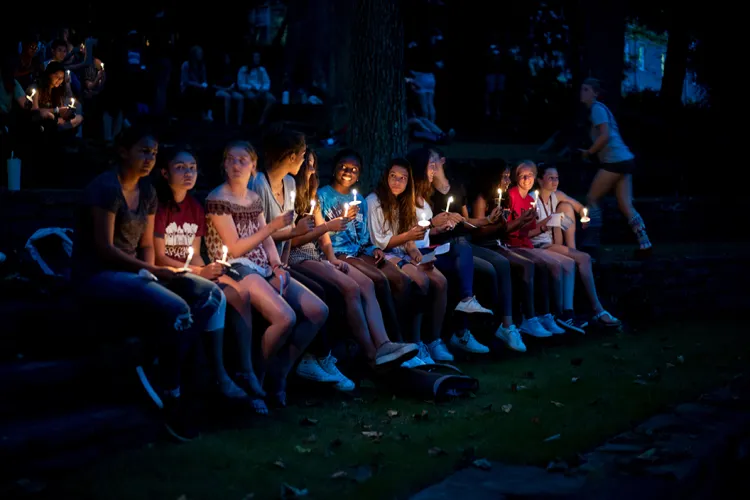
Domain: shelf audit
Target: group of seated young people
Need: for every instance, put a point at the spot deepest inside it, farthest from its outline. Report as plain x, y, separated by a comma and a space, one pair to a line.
279, 246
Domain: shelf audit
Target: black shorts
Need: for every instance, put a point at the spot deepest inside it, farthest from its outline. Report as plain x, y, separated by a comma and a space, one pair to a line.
621, 167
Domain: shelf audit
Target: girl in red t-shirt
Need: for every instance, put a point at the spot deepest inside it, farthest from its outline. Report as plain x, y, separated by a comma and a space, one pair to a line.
179, 226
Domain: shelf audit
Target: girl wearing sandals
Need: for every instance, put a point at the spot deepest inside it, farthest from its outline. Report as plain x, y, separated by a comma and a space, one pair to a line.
616, 164
179, 226
114, 263
235, 218
363, 314
548, 206
392, 220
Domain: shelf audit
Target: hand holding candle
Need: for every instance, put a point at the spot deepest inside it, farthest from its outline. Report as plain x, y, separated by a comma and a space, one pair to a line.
189, 258
225, 254
585, 217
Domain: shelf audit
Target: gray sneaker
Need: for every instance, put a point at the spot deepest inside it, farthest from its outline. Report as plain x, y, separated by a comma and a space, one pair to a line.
394, 353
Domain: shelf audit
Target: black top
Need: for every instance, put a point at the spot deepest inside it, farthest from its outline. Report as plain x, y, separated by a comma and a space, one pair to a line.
439, 201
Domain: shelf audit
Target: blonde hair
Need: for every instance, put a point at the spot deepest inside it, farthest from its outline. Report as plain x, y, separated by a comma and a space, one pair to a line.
528, 164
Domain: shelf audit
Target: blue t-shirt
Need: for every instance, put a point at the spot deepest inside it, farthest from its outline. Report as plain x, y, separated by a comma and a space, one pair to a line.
355, 240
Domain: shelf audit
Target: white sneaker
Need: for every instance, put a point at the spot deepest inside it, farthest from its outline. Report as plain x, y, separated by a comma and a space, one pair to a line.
328, 364
532, 326
309, 368
512, 337
472, 306
424, 354
549, 324
467, 342
412, 363
439, 351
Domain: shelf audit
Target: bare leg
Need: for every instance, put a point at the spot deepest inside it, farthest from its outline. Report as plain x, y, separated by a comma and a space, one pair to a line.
351, 291
568, 277
438, 301
266, 300
569, 235
422, 283
583, 261
372, 308
624, 193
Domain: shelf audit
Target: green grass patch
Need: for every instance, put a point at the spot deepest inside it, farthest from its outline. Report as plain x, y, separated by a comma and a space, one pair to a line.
603, 400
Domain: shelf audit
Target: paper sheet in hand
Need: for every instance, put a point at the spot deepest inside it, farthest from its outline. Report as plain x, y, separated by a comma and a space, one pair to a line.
555, 220
426, 259
444, 248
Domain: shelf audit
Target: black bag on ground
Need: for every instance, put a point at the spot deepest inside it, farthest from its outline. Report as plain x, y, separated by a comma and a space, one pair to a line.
435, 382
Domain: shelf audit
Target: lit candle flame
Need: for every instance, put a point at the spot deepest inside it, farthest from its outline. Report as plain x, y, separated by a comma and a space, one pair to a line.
585, 211
499, 195
225, 251
72, 102
189, 257
102, 66
354, 193
448, 206
424, 222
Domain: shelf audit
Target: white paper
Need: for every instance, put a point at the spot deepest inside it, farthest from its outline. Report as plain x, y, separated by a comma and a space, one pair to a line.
555, 220
426, 259
444, 248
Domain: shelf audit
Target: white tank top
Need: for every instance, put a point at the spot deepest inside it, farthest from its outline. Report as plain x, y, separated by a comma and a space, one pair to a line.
544, 210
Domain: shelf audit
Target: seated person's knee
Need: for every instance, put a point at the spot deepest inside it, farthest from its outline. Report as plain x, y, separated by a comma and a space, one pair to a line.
320, 314
351, 290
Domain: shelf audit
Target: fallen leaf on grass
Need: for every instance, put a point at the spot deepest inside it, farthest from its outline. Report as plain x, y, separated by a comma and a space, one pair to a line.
280, 464
451, 412
482, 463
552, 438
435, 451
312, 438
339, 474
506, 408
289, 491
616, 358
575, 379
517, 387
392, 413
425, 415
576, 361
681, 359
301, 450
372, 434
557, 403
670, 365
308, 422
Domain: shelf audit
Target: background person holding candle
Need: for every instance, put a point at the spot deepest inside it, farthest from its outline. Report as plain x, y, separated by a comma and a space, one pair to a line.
394, 289
52, 99
363, 316
235, 219
616, 164
551, 202
114, 263
179, 226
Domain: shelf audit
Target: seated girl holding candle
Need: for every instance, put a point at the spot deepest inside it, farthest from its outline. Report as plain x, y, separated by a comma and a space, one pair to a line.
114, 263
53, 101
459, 260
362, 310
179, 227
492, 268
235, 219
561, 267
550, 203
395, 291
392, 220
531, 279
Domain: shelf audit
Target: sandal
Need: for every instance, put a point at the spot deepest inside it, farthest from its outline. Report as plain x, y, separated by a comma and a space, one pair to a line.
599, 320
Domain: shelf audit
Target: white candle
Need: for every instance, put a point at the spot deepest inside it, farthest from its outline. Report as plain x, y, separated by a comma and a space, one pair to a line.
189, 258
73, 103
346, 209
354, 193
312, 207
499, 196
293, 194
424, 222
448, 206
354, 201
31, 97
585, 218
225, 253
102, 66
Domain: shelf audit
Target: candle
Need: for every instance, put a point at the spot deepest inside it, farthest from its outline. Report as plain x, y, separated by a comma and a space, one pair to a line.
424, 222
72, 103
346, 209
294, 196
102, 66
354, 193
31, 97
448, 206
585, 219
499, 195
312, 207
189, 258
354, 201
225, 253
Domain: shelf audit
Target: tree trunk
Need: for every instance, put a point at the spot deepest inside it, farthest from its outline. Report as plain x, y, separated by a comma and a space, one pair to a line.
602, 56
675, 65
377, 107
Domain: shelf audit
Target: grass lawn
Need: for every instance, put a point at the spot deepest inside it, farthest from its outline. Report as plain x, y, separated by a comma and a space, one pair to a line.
603, 400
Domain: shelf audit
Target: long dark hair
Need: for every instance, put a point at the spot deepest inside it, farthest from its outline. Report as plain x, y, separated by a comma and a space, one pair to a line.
280, 143
419, 159
163, 191
306, 189
47, 94
397, 210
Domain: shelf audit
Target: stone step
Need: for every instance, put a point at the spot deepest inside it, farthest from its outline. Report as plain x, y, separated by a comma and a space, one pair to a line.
66, 440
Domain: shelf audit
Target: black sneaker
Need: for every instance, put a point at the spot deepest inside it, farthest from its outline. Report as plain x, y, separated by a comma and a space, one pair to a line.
177, 420
570, 322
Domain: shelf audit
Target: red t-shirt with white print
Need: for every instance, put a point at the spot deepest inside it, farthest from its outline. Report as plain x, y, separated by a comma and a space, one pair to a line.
179, 224
520, 237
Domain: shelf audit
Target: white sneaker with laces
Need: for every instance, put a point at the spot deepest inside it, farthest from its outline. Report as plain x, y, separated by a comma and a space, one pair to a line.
512, 337
328, 364
466, 342
532, 326
309, 368
472, 306
424, 354
412, 363
549, 324
439, 351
